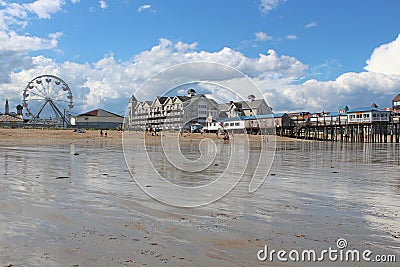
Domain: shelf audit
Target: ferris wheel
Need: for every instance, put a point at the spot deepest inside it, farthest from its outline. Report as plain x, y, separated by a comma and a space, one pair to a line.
47, 100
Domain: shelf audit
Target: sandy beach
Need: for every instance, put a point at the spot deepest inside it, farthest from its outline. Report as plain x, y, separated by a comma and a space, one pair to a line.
67, 136
67, 199
56, 136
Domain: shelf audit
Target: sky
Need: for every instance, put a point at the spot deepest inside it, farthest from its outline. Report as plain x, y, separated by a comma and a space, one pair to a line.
309, 55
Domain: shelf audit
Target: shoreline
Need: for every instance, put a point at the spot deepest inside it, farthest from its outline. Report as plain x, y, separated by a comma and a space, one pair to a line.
26, 136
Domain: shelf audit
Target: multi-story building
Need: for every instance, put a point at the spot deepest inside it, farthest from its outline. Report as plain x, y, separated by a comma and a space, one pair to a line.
233, 113
171, 113
251, 107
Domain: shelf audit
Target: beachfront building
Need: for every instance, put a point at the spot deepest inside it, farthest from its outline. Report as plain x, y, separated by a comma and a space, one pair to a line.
234, 124
251, 107
396, 102
7, 120
173, 113
395, 109
367, 115
98, 119
265, 124
237, 111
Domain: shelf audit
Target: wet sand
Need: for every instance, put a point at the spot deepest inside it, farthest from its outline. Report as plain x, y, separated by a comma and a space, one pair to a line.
68, 136
67, 199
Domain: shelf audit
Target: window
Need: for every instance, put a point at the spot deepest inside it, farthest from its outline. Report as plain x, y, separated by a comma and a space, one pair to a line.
359, 116
236, 124
232, 124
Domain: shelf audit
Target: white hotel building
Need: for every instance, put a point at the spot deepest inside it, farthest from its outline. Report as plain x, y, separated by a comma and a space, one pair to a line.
171, 113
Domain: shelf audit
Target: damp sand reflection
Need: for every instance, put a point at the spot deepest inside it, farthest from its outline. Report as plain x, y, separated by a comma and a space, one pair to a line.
76, 204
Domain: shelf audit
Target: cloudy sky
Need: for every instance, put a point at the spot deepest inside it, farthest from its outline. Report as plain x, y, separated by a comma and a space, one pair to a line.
303, 55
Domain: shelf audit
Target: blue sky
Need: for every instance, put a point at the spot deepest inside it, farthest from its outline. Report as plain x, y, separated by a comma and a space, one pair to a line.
300, 53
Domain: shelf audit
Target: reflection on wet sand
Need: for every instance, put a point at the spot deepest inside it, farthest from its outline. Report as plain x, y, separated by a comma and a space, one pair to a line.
76, 204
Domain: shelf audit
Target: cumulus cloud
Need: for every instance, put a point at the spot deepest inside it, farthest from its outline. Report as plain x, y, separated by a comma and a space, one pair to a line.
384, 59
143, 7
15, 46
353, 89
103, 4
262, 36
16, 14
268, 5
44, 8
109, 82
312, 24
12, 42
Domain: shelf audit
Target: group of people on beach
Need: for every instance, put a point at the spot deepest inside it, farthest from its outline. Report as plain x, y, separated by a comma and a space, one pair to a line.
103, 133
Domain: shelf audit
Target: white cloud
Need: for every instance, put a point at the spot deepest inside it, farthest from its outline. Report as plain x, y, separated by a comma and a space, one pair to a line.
262, 36
103, 4
108, 83
44, 8
353, 89
385, 58
75, 1
312, 24
12, 42
15, 14
291, 37
108, 80
143, 7
268, 5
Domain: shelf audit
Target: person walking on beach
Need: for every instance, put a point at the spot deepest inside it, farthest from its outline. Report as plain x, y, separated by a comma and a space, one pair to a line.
101, 132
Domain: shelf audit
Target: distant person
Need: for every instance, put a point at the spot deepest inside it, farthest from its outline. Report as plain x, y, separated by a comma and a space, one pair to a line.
105, 133
101, 132
226, 136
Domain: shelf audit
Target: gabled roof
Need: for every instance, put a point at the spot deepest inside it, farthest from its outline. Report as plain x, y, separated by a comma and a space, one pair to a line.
235, 104
160, 99
8, 118
170, 99
100, 113
255, 103
182, 98
396, 98
245, 105
133, 98
342, 107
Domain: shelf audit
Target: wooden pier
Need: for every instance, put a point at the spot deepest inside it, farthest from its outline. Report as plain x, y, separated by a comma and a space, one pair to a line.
382, 132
